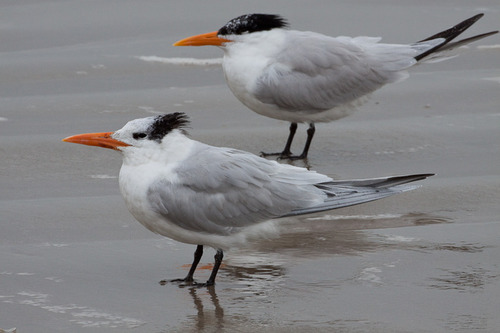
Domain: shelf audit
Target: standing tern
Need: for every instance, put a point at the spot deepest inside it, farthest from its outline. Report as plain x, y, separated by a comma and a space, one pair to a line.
220, 197
307, 77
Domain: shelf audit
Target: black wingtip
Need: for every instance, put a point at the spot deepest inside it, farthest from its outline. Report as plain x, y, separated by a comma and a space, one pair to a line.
400, 180
456, 30
450, 34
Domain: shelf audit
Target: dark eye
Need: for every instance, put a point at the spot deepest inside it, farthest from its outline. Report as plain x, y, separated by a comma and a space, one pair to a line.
138, 136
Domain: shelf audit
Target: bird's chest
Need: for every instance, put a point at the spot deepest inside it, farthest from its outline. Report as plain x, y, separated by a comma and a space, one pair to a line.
135, 184
242, 72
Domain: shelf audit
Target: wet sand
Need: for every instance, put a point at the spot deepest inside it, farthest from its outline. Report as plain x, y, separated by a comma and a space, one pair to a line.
72, 259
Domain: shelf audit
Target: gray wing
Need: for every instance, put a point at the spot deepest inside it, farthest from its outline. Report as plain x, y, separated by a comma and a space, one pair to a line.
221, 190
345, 193
316, 72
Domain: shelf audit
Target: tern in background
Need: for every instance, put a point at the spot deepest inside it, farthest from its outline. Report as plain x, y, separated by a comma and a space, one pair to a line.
219, 197
307, 77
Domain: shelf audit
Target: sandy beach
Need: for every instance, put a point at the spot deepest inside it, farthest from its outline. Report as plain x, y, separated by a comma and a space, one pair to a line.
72, 258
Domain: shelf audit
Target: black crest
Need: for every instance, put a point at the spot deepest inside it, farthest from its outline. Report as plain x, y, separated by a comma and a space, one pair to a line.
252, 23
166, 123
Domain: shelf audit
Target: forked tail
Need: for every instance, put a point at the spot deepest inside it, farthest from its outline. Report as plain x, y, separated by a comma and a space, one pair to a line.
448, 35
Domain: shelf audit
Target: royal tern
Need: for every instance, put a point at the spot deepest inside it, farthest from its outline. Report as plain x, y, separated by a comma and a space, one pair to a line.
204, 195
307, 77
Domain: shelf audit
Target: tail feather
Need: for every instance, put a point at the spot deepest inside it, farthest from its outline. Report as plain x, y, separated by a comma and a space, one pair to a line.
450, 34
466, 41
345, 193
382, 181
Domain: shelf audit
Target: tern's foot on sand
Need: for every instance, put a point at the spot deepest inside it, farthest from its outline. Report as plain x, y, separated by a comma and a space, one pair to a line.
293, 157
187, 283
284, 156
281, 156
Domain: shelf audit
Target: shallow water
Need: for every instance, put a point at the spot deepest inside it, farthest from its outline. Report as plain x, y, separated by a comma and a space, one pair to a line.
72, 259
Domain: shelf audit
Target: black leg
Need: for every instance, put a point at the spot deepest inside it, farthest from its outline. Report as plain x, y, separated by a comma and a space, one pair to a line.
197, 257
189, 277
286, 152
218, 260
310, 134
188, 280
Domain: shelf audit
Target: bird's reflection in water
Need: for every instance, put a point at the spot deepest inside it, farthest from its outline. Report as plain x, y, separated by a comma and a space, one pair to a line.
265, 262
321, 235
207, 318
252, 277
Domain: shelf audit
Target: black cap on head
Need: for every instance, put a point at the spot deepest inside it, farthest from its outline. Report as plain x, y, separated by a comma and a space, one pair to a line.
252, 23
166, 123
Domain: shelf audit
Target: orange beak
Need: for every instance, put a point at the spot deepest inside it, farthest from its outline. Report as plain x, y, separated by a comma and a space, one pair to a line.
203, 39
103, 140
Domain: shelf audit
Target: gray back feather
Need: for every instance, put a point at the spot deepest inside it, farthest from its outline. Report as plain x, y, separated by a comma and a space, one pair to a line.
319, 73
221, 190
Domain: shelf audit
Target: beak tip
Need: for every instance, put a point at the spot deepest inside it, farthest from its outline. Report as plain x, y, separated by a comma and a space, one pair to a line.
96, 139
210, 38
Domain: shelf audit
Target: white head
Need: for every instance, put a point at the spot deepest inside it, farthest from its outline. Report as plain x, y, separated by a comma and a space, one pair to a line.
141, 133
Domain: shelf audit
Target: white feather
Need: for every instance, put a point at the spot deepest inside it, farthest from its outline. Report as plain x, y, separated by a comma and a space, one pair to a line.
220, 197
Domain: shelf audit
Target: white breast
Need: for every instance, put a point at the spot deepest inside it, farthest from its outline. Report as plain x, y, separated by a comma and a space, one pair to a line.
143, 167
245, 61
